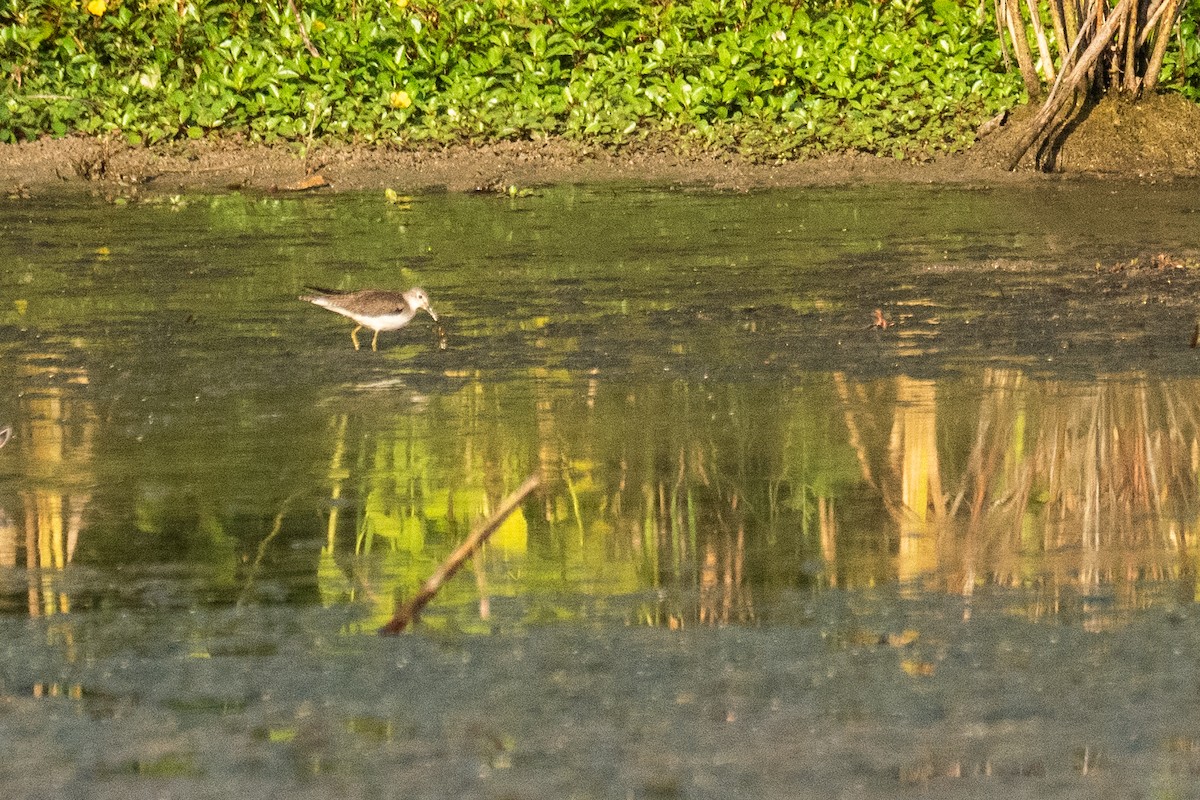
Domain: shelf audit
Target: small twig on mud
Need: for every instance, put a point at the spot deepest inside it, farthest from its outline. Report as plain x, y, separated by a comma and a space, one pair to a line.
409, 611
191, 170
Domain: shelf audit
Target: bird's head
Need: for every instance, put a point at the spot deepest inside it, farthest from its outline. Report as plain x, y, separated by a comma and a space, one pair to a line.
418, 299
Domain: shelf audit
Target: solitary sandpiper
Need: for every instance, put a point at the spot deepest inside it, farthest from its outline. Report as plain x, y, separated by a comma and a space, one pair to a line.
377, 309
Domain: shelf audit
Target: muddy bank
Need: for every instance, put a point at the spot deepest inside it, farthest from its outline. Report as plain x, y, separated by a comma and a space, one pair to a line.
1153, 139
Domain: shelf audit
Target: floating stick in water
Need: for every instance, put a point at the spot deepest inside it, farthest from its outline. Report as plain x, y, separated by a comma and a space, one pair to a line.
409, 611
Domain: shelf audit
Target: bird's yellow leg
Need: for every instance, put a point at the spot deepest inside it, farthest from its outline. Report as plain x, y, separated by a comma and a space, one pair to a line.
374, 339
354, 336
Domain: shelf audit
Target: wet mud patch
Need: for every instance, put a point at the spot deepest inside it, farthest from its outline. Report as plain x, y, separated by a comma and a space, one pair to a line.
878, 695
1074, 318
1153, 138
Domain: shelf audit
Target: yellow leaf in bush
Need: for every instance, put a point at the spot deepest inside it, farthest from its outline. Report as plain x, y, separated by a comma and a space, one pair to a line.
97, 7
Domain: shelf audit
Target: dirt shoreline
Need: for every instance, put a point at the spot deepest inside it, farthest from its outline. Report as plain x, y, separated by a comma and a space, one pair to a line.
1154, 139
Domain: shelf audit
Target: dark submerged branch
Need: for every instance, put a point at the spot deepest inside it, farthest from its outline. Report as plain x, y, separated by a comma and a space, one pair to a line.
409, 611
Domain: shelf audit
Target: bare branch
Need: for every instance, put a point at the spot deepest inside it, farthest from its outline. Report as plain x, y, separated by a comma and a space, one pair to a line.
1162, 37
303, 33
409, 611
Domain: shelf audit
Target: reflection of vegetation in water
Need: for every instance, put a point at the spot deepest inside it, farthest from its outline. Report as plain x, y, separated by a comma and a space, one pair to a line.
1055, 485
54, 440
717, 496
657, 485
720, 497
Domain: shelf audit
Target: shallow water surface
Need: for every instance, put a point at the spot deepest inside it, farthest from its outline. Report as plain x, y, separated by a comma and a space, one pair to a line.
780, 550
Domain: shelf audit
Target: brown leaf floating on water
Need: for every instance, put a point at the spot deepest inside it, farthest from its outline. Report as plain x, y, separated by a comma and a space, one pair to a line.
878, 321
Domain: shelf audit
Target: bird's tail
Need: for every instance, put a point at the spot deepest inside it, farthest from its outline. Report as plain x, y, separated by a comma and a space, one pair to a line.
319, 293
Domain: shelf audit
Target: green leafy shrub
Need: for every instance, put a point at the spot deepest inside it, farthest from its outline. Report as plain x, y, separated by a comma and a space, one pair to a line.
1183, 62
903, 77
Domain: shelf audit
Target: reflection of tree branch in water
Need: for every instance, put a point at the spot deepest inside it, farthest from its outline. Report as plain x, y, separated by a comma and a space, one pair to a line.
1147, 447
276, 527
1095, 481
855, 436
56, 442
908, 477
481, 584
690, 529
572, 491
724, 594
1000, 426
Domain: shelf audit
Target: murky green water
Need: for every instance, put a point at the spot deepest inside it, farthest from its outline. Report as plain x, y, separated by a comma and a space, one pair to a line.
781, 552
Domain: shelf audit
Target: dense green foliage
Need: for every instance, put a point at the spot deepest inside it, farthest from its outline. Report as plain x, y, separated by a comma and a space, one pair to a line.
1184, 62
906, 76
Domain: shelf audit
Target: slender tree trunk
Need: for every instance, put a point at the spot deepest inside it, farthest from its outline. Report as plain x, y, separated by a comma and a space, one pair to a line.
1057, 14
1166, 24
1016, 29
1071, 22
1039, 34
1133, 82
1000, 15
